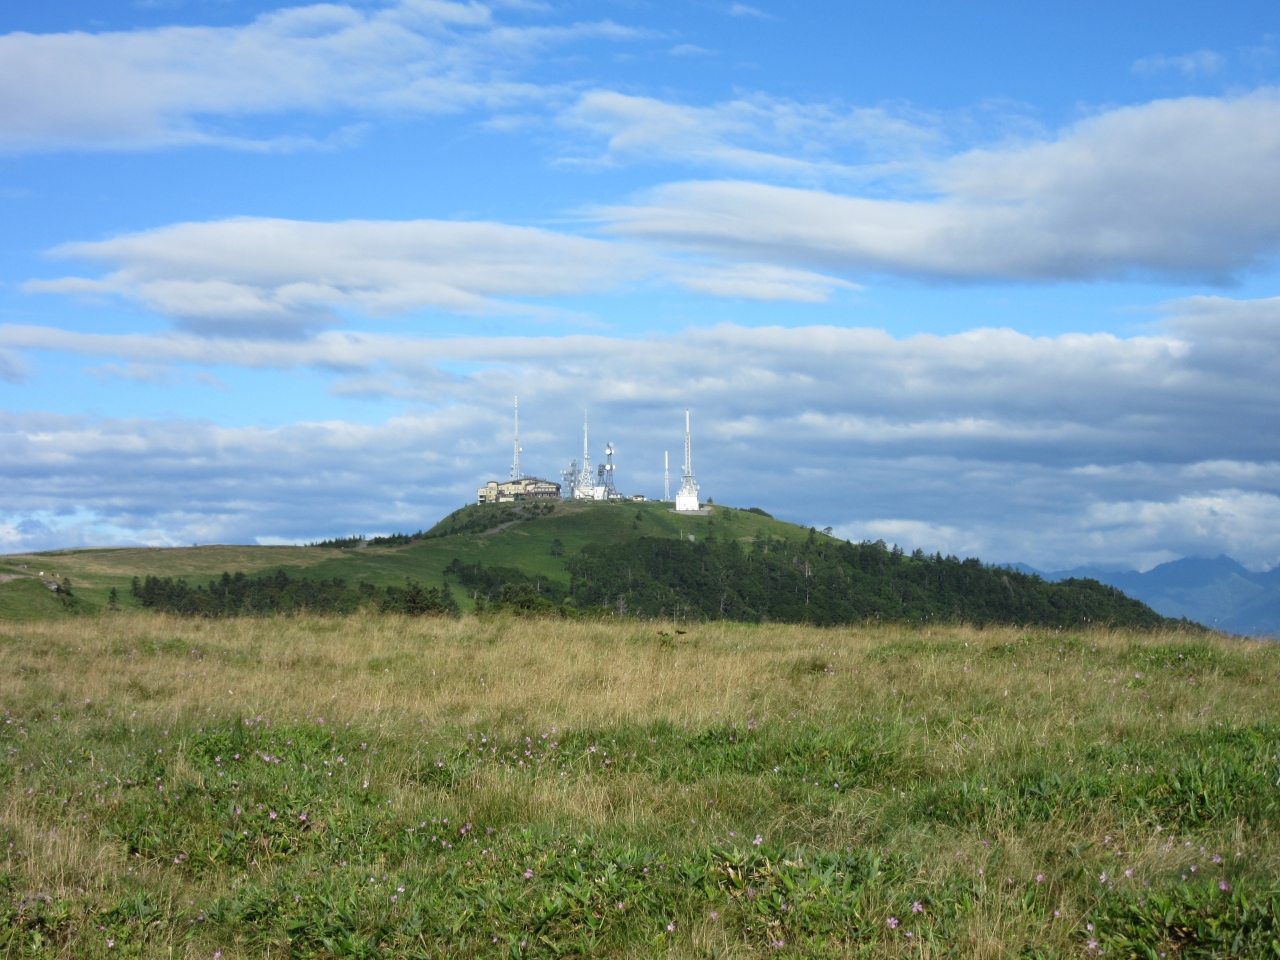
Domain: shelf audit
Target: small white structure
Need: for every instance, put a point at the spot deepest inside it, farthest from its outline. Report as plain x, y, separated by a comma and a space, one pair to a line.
687, 498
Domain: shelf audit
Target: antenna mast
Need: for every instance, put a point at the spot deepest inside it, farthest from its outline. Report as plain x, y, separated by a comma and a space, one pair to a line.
666, 477
585, 487
688, 450
687, 498
606, 472
515, 460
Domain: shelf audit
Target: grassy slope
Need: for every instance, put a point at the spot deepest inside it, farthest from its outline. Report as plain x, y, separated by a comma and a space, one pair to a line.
471, 789
29, 599
525, 544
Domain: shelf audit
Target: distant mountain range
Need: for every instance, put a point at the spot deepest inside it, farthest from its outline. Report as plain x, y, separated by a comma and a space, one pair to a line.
1217, 592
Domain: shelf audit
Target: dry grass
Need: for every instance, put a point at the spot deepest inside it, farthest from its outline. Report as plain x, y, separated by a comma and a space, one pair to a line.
529, 671
948, 706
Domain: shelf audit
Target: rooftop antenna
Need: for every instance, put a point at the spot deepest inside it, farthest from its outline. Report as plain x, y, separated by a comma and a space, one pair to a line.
515, 460
666, 476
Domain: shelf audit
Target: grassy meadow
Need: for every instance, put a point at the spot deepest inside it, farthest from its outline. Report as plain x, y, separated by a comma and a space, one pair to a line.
391, 787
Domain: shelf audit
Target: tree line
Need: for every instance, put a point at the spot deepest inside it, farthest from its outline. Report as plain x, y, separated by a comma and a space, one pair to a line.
278, 593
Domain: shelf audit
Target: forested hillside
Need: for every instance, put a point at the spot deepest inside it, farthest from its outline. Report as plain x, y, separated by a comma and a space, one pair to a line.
825, 581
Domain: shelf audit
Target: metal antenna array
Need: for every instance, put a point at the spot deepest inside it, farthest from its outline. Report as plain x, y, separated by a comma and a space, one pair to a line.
606, 474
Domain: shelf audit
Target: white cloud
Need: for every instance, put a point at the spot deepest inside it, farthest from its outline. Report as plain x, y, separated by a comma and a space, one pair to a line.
278, 277
761, 281
1053, 450
1199, 524
192, 85
1199, 63
761, 134
742, 10
1186, 188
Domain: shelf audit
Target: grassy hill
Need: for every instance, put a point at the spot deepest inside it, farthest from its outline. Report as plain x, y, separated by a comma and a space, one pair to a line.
510, 535
629, 558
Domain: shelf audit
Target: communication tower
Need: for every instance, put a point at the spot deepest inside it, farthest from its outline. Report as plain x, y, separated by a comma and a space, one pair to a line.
515, 459
687, 498
584, 485
606, 489
666, 476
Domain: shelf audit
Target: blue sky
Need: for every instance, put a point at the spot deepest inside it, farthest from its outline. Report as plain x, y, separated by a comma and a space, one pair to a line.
991, 279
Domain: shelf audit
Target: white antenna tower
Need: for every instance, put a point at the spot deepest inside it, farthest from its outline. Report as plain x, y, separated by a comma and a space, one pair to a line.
666, 477
687, 498
585, 487
688, 449
515, 460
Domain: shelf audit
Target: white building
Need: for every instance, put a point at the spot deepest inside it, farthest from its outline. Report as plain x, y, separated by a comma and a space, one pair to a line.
687, 498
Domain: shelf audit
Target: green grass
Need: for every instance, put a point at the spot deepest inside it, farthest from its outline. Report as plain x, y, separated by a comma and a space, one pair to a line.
388, 787
28, 598
525, 543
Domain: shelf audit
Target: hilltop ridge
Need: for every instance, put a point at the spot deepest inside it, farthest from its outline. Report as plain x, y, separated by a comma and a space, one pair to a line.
521, 535
624, 558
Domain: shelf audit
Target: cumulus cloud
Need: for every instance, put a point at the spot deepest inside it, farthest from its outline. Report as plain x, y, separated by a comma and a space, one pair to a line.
1053, 450
188, 85
1186, 188
280, 277
182, 481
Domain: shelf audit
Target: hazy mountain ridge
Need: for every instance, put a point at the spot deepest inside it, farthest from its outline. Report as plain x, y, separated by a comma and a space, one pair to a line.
1216, 591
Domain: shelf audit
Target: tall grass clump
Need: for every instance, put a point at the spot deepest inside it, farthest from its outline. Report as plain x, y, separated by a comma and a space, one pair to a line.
384, 786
